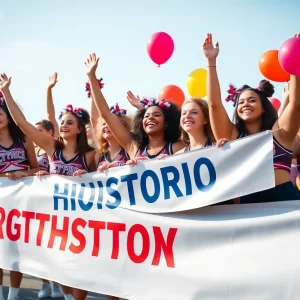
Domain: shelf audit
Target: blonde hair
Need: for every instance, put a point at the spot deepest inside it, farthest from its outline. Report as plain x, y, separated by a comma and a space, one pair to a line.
101, 142
207, 128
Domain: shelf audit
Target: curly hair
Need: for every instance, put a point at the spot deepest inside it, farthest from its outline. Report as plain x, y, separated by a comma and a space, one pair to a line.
172, 120
269, 116
47, 125
207, 128
82, 142
14, 131
101, 142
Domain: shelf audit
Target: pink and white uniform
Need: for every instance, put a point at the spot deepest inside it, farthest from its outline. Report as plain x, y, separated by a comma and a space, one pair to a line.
43, 161
13, 158
142, 153
119, 160
60, 166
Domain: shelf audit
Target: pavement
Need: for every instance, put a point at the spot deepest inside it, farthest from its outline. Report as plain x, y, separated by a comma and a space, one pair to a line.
30, 287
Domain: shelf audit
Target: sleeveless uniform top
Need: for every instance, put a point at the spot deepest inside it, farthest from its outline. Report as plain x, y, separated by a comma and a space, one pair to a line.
60, 166
119, 160
282, 157
43, 160
13, 158
298, 165
142, 153
207, 144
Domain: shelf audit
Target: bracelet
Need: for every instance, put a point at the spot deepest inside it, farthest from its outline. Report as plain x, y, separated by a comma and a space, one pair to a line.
211, 66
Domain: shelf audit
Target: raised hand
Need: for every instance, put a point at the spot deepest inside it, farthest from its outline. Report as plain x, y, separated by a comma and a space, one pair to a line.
52, 81
91, 64
134, 100
4, 82
208, 48
286, 91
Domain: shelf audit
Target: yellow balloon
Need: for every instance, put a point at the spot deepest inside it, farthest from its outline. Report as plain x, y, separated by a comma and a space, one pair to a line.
196, 83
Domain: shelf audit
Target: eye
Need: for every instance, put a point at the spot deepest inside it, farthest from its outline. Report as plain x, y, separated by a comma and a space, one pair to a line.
184, 113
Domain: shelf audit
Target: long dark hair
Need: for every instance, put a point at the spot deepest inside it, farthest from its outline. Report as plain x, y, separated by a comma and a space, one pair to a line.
82, 145
172, 130
269, 116
15, 132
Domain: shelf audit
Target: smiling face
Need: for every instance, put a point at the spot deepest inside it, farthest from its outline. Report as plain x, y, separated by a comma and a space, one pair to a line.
105, 131
192, 117
249, 107
154, 120
3, 119
68, 126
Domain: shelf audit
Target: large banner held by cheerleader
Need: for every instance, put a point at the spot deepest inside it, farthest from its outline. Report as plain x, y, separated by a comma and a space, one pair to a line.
131, 232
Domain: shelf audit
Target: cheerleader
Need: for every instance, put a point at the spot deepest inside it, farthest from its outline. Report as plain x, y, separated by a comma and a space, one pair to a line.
69, 154
155, 127
254, 113
17, 160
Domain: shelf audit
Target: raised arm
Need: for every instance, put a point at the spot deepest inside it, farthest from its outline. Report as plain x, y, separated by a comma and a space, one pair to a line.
221, 125
134, 100
122, 134
50, 106
289, 121
42, 140
95, 115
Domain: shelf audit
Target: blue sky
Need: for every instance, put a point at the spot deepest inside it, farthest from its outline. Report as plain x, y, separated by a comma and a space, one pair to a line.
41, 37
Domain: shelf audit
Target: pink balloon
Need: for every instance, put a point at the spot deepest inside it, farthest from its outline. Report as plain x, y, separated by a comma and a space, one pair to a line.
289, 56
276, 103
160, 47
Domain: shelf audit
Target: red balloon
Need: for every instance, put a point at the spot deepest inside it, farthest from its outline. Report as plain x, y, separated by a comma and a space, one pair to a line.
270, 68
275, 102
173, 94
160, 47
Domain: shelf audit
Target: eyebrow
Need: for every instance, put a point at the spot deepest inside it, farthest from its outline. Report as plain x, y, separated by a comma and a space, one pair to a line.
251, 97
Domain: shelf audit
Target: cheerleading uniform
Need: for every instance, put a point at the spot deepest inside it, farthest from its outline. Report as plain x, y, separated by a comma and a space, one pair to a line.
282, 160
43, 160
13, 158
142, 153
60, 166
119, 160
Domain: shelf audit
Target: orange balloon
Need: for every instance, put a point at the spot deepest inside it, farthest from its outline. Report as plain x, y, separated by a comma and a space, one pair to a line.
172, 93
270, 68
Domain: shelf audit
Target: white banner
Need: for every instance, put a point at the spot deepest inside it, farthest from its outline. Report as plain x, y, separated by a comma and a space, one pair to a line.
179, 182
83, 232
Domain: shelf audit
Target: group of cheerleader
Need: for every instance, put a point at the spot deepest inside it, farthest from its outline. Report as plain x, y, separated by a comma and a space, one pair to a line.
107, 137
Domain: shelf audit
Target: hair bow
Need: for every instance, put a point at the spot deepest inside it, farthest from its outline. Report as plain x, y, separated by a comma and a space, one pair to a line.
2, 101
153, 102
116, 110
69, 108
88, 86
232, 93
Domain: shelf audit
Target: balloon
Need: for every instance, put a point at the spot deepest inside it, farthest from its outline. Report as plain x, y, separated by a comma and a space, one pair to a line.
160, 47
196, 83
275, 102
289, 56
270, 68
172, 93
